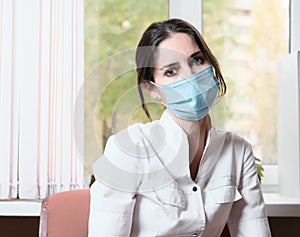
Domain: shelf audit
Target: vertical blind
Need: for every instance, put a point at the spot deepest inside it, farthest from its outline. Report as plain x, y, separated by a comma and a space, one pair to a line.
41, 73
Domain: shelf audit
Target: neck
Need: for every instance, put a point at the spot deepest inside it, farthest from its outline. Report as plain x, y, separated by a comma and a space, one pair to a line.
195, 130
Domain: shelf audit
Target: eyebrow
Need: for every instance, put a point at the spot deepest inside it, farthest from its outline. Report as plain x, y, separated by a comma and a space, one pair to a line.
168, 65
175, 64
196, 53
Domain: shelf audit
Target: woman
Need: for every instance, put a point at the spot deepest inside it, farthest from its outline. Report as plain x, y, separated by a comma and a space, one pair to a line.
177, 176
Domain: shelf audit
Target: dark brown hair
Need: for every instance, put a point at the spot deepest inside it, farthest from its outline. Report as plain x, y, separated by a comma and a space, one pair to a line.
150, 40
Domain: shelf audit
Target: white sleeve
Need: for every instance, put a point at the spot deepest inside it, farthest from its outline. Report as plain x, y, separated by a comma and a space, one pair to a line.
111, 211
248, 215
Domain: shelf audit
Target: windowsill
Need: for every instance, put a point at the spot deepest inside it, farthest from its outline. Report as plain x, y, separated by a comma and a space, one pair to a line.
281, 206
20, 208
276, 205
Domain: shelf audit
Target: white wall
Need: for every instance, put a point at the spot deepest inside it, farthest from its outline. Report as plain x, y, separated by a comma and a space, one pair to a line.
295, 25
190, 11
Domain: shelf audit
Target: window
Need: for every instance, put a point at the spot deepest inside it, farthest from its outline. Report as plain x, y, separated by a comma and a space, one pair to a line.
248, 47
114, 26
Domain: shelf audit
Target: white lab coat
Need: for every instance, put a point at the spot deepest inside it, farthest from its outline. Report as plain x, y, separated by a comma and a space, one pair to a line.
143, 185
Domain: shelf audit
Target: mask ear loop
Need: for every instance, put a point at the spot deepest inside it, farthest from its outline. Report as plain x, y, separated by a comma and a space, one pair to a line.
157, 97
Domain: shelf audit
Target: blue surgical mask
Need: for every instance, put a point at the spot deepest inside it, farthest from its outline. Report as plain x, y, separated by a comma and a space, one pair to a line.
191, 98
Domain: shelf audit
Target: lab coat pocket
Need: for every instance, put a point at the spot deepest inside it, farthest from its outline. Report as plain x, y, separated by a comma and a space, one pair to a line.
171, 204
226, 194
110, 217
172, 201
170, 197
218, 203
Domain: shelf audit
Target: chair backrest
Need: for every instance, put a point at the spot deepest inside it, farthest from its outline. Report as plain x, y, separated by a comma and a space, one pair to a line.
65, 214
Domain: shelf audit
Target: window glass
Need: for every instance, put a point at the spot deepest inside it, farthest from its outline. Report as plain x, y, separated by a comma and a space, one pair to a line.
248, 37
112, 31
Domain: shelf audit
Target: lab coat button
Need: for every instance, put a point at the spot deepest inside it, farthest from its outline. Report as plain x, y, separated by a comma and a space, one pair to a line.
195, 189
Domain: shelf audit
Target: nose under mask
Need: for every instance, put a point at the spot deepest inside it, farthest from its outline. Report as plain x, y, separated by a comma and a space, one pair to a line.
191, 98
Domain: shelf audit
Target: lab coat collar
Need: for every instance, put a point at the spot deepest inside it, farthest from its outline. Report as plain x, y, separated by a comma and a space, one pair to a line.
213, 146
173, 130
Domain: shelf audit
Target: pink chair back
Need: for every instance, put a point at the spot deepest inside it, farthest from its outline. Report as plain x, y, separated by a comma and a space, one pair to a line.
65, 214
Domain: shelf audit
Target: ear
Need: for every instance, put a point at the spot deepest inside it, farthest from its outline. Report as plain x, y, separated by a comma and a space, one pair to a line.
147, 85
152, 90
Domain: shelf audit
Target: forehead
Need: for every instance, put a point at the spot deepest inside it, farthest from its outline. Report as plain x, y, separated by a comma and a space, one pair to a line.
177, 47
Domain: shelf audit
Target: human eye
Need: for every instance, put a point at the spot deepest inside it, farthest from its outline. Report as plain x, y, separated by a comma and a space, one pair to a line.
171, 72
196, 61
